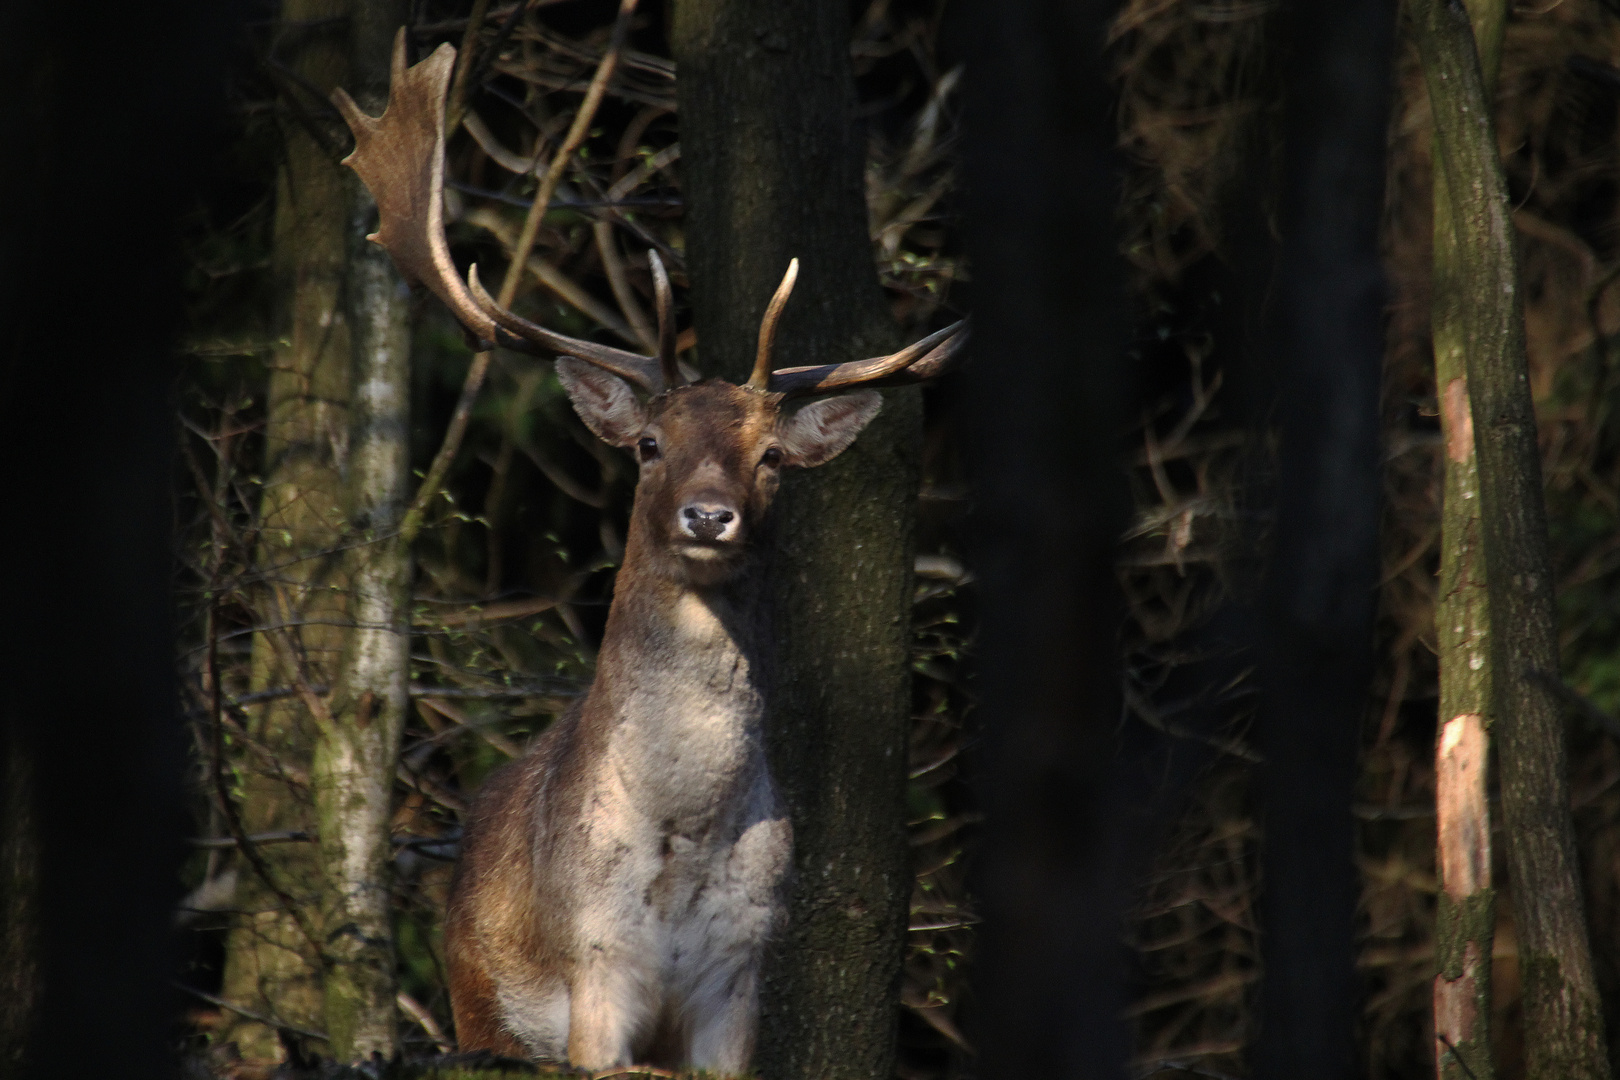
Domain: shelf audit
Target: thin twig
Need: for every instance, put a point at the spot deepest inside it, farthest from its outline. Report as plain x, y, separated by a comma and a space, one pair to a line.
462, 720
1458, 1058
285, 836
270, 1021
481, 70
457, 107
290, 80
561, 480
424, 1019
571, 202
483, 614
552, 277
314, 702
433, 790
1579, 701
499, 154
607, 246
233, 820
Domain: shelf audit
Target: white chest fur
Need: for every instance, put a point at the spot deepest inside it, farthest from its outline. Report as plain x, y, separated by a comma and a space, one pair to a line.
674, 871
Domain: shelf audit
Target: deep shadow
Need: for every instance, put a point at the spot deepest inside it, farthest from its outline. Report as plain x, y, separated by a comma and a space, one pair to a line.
108, 124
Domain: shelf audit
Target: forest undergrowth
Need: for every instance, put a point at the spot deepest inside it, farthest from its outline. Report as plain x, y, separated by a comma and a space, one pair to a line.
514, 571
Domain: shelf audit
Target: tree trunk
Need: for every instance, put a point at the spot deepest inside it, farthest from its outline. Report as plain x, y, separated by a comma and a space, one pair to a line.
356, 752
1324, 333
272, 966
773, 170
19, 900
109, 120
1465, 920
1043, 408
1563, 1027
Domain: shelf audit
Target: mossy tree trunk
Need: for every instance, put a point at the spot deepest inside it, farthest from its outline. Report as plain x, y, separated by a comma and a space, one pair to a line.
272, 966
357, 749
1465, 921
1564, 1035
773, 170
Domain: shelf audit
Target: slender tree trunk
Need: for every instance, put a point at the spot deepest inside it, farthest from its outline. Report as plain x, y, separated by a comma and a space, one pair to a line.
356, 752
1043, 406
272, 966
1324, 332
1465, 921
1564, 1034
773, 170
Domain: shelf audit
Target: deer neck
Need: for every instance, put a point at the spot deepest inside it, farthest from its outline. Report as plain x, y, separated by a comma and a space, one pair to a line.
680, 686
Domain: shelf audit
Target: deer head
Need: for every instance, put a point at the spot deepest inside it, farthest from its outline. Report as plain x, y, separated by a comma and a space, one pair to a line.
711, 453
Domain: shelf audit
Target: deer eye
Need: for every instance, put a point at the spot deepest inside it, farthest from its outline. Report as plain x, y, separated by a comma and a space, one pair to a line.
647, 448
772, 457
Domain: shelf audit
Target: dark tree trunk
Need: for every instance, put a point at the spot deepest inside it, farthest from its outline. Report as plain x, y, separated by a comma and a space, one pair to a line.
1043, 415
1564, 1034
1324, 340
105, 126
773, 170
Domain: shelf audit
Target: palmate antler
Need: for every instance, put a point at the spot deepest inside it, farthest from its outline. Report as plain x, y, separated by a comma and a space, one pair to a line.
400, 157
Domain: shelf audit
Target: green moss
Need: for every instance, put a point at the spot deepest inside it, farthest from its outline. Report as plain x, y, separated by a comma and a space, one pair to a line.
1455, 925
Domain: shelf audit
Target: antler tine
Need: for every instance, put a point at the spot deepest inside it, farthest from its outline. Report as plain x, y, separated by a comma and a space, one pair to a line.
760, 379
666, 321
400, 157
925, 359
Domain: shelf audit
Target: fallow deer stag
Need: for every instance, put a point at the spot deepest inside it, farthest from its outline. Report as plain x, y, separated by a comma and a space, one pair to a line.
617, 885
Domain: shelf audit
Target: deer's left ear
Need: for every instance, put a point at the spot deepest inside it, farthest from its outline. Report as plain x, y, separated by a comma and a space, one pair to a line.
820, 431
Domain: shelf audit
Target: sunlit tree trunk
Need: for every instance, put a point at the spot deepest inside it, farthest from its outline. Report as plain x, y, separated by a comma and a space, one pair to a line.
1465, 920
773, 170
272, 966
1563, 1028
357, 748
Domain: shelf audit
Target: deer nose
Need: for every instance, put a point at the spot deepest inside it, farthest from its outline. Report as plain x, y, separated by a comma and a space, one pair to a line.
708, 521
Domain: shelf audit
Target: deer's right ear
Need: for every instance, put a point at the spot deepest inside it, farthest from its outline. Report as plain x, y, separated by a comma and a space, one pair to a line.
603, 400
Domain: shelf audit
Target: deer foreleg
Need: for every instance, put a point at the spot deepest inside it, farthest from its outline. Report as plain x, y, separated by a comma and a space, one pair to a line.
609, 1009
724, 1025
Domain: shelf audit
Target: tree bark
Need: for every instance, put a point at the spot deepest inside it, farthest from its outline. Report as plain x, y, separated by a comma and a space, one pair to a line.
1324, 334
1564, 1034
1465, 920
19, 900
356, 752
1043, 407
272, 967
773, 169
